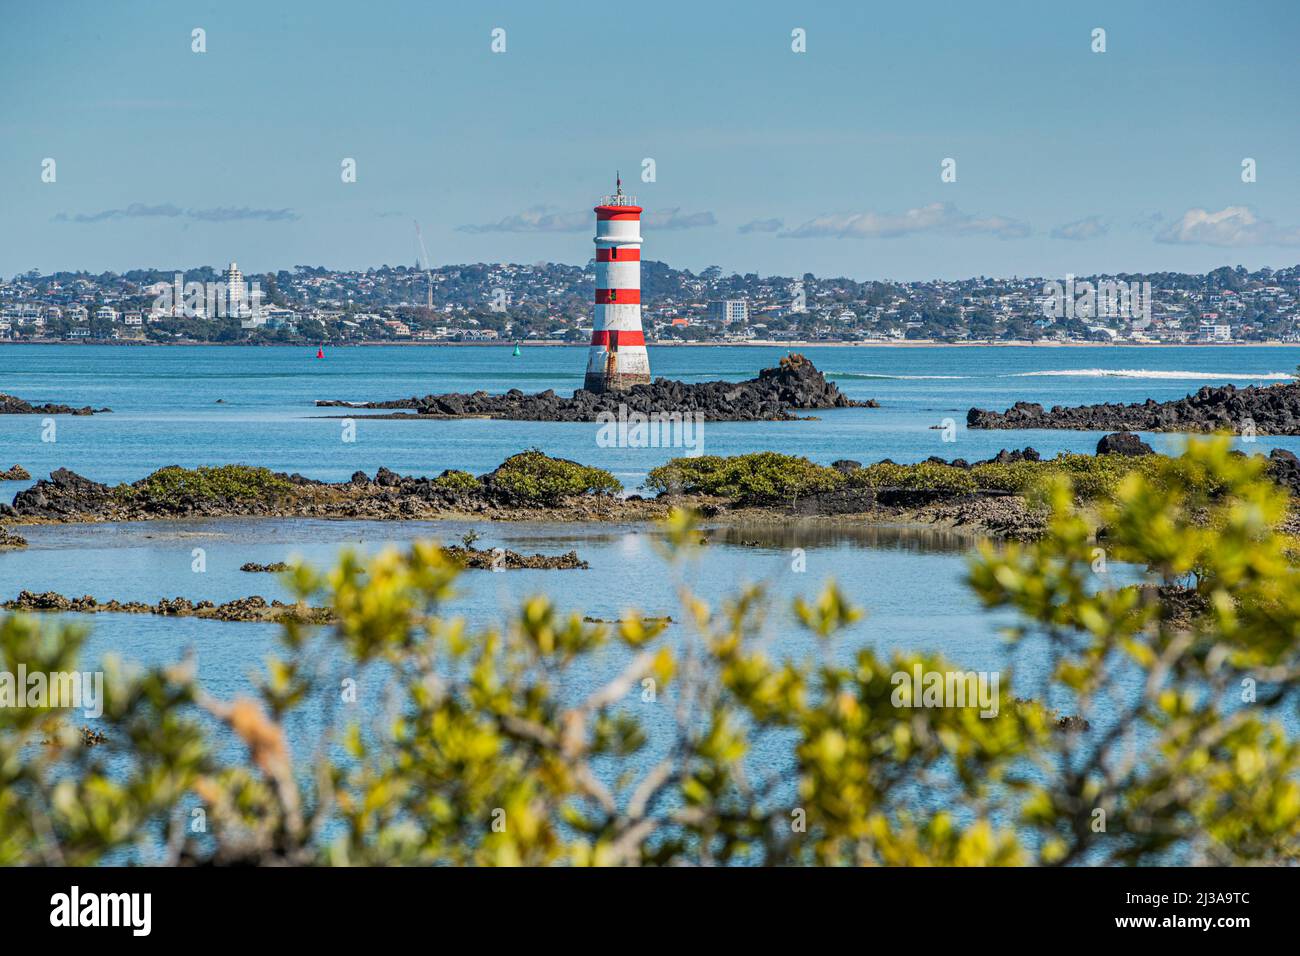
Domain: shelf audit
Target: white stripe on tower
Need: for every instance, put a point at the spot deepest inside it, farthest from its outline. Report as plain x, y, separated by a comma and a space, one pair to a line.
618, 357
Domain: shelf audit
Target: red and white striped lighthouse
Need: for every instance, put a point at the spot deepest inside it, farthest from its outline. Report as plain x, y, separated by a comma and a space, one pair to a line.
618, 358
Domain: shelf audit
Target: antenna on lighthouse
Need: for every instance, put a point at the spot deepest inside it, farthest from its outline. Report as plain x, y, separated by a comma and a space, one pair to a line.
618, 183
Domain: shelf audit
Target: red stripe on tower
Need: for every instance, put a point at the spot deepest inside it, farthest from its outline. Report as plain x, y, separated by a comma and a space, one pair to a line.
618, 255
616, 338
617, 358
608, 296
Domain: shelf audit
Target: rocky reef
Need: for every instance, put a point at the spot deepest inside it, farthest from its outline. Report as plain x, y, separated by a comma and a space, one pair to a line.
1270, 410
253, 609
476, 559
996, 496
528, 485
503, 559
10, 540
13, 405
794, 384
16, 473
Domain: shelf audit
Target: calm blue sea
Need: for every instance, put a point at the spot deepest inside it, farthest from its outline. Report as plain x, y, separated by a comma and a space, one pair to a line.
165, 411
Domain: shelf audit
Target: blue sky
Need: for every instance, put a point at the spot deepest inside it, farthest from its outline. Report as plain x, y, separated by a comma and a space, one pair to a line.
766, 160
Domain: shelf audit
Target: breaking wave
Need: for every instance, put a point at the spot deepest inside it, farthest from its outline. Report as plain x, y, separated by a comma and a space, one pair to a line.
1158, 374
884, 376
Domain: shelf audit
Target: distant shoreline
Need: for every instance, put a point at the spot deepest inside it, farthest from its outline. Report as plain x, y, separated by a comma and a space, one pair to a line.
757, 343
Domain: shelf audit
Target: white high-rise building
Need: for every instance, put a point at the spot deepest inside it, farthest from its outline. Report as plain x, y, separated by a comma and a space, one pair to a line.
236, 292
729, 311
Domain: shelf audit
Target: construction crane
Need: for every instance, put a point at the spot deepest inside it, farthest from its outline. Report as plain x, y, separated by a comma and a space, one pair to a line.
428, 272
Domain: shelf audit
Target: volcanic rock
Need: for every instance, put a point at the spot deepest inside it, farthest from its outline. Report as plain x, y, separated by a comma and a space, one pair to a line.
1284, 468
504, 559
255, 608
1123, 443
1270, 410
13, 405
794, 384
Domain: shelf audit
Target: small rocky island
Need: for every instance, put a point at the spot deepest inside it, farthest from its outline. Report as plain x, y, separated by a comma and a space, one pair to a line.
254, 609
475, 559
1272, 410
794, 384
529, 484
13, 405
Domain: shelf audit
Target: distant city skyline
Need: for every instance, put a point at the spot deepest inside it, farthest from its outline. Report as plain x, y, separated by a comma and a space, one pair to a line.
766, 160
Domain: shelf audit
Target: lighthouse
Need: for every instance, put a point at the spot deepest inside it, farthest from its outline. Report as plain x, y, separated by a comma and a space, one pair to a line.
618, 358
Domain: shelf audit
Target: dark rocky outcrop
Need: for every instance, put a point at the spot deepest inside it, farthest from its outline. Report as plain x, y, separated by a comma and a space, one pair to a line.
643, 620
506, 560
1007, 457
794, 384
13, 405
1123, 443
66, 496
1271, 410
1284, 468
1072, 723
85, 737
10, 540
16, 473
254, 609
255, 568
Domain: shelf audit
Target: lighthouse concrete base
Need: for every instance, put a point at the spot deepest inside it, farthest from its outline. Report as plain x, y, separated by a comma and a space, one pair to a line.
618, 382
615, 369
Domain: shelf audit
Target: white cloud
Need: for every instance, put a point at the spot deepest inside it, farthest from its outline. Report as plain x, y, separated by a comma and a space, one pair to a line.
762, 225
537, 219
1090, 228
936, 218
676, 219
1230, 226
542, 219
137, 210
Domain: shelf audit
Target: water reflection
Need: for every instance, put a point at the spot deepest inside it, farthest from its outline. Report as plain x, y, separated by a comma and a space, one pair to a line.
804, 534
